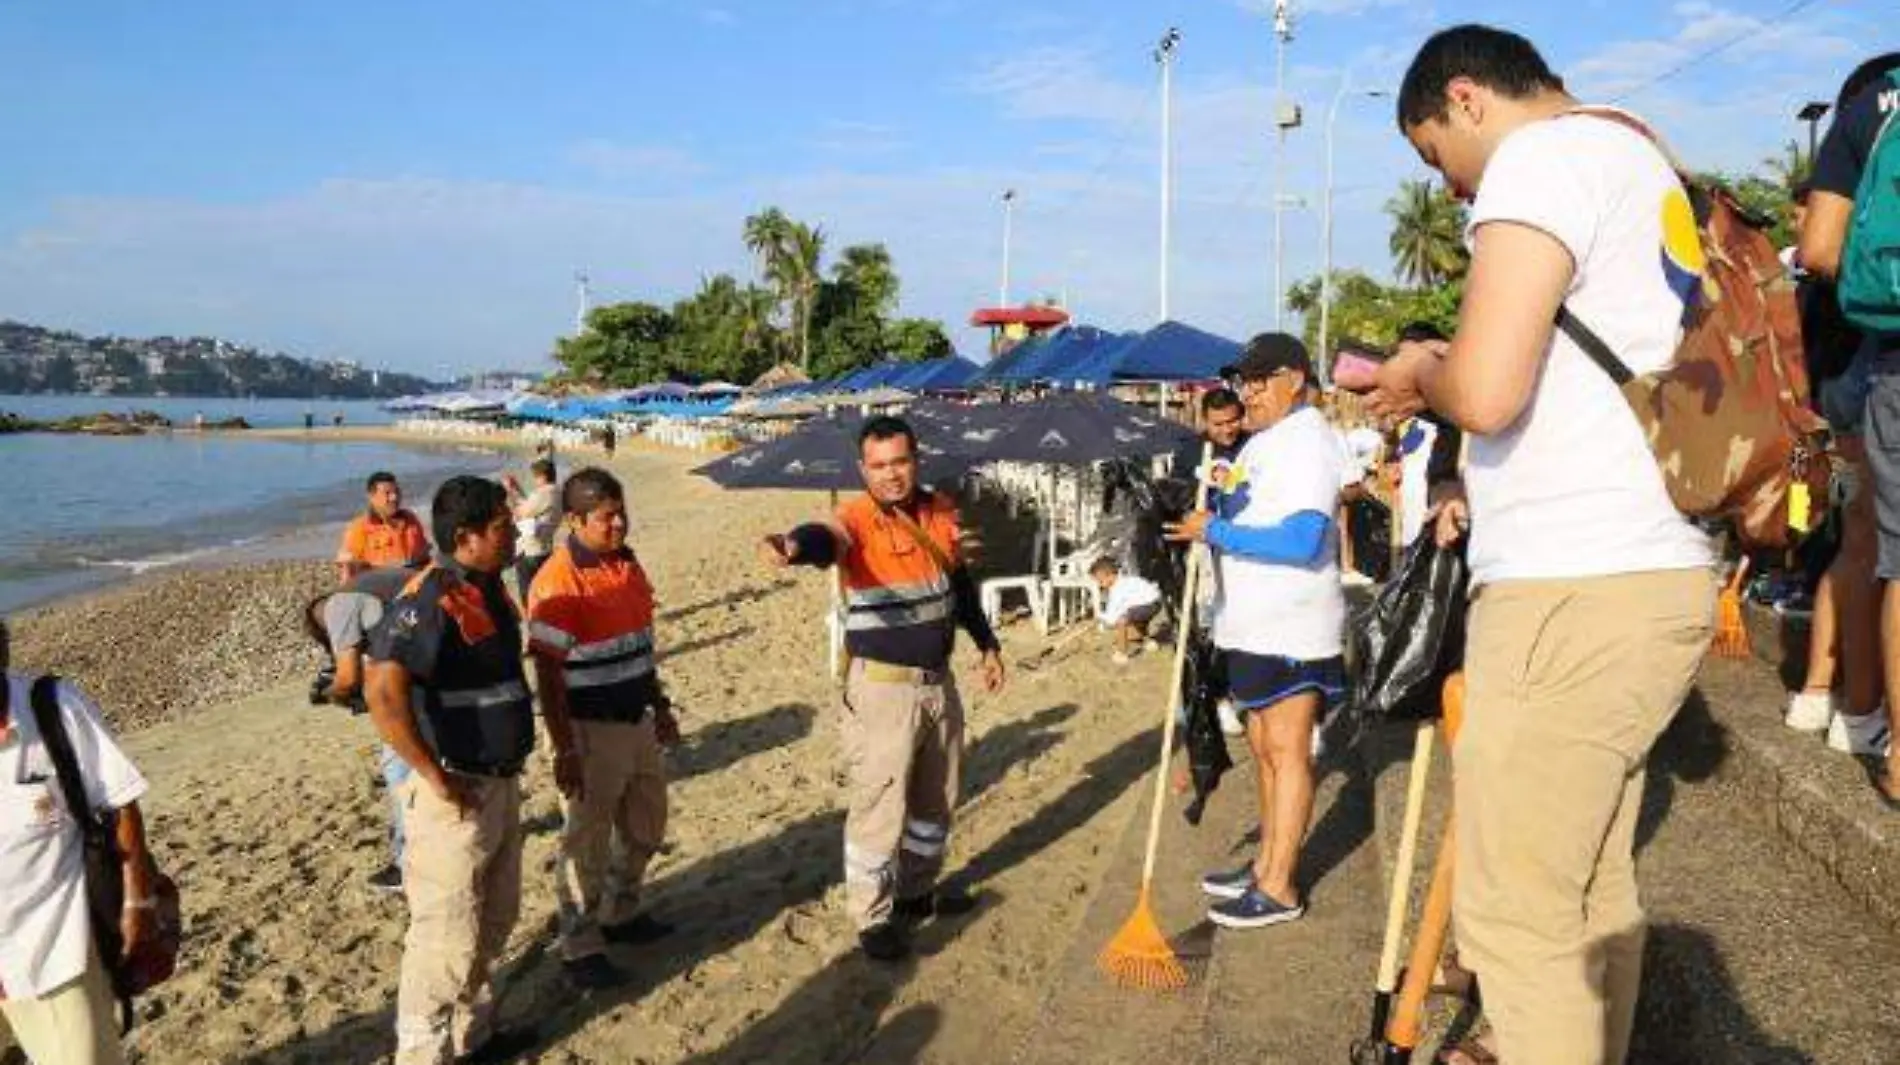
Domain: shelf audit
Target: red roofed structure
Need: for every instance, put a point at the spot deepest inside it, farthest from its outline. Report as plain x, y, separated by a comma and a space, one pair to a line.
1010, 326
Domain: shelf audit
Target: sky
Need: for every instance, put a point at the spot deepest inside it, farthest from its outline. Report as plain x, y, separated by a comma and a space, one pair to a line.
414, 186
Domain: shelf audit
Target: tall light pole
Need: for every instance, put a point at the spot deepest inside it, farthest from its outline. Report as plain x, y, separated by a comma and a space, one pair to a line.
1812, 113
1326, 225
580, 309
1286, 117
1009, 213
1164, 57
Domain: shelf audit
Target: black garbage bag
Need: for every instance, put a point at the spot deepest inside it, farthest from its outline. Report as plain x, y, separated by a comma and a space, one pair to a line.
1203, 686
1412, 636
1135, 507
1371, 537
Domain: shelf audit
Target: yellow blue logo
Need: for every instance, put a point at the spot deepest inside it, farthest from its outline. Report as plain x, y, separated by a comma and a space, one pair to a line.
1683, 262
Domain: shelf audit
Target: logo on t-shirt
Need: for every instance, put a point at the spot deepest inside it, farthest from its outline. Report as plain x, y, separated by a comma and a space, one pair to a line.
1683, 263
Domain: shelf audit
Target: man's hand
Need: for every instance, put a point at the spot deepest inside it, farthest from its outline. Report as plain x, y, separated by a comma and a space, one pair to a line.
969, 546
1451, 514
666, 727
508, 481
568, 777
1395, 394
778, 550
1191, 529
994, 676
450, 789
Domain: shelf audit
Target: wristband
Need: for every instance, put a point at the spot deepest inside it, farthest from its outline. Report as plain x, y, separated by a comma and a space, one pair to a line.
146, 903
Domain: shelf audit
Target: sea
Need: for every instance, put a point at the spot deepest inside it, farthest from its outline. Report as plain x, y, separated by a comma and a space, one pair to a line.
81, 512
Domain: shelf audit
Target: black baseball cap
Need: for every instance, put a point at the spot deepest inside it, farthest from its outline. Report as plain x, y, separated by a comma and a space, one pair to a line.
1268, 354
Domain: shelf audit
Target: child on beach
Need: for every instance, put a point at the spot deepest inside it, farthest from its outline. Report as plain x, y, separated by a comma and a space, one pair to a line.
1129, 606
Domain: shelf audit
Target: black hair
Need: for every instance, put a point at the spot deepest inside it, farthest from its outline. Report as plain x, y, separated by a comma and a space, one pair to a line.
886, 427
1864, 75
380, 477
1802, 191
1419, 332
461, 504
1497, 59
1220, 399
1104, 564
589, 488
543, 468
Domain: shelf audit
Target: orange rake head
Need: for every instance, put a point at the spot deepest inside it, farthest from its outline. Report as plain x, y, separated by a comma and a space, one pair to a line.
1731, 628
1140, 956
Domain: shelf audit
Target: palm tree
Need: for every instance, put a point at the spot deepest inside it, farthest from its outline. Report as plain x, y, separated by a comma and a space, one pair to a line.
804, 248
867, 269
765, 236
1428, 240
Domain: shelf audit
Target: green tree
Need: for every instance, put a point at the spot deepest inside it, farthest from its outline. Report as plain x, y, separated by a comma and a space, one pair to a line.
1427, 242
1372, 313
917, 340
867, 270
789, 255
624, 344
1790, 167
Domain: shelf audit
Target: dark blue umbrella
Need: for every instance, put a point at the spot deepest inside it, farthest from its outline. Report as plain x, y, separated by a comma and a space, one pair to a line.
1065, 428
822, 455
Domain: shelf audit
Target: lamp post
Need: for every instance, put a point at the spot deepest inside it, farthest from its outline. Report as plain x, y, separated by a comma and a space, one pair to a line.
1326, 225
1811, 113
1009, 213
1164, 57
580, 309
1286, 117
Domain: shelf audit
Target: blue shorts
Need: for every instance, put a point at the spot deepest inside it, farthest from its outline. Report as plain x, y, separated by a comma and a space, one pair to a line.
1257, 682
1844, 397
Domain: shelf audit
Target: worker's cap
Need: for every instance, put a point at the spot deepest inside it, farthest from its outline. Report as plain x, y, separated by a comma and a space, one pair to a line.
1268, 354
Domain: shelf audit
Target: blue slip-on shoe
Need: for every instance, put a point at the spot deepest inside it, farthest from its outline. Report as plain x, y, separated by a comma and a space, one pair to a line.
1228, 885
1254, 909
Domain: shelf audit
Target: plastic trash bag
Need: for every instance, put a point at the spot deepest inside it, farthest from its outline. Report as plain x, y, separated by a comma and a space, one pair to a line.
1412, 636
1203, 686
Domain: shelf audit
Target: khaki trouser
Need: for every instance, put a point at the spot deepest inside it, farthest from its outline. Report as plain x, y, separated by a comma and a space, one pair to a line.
1569, 683
624, 796
903, 750
76, 1023
462, 873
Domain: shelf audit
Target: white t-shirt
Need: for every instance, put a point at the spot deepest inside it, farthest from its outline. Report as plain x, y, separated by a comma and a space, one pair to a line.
1129, 592
1414, 490
45, 932
1359, 454
1571, 489
1267, 608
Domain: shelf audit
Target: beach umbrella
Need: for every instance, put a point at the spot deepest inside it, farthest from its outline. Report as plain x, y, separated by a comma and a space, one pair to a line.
1064, 429
822, 455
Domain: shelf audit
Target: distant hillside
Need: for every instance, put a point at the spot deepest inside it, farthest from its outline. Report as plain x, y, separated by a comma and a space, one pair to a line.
33, 359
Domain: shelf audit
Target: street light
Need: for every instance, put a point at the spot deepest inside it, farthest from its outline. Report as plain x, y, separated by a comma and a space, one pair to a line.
1286, 117
1811, 114
1164, 57
1326, 225
1009, 211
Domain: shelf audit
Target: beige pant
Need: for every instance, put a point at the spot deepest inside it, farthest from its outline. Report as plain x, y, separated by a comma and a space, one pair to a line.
1569, 683
903, 750
625, 798
76, 1024
462, 873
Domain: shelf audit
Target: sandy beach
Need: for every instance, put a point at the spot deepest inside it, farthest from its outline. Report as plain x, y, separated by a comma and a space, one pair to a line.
267, 812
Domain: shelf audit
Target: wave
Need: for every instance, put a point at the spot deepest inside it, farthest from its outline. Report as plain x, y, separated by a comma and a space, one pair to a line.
140, 566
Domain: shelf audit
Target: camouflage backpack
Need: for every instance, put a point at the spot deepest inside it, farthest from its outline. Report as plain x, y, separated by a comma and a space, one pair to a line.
1729, 419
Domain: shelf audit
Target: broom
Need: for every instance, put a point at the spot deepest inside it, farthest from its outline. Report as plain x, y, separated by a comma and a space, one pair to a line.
1731, 630
1140, 956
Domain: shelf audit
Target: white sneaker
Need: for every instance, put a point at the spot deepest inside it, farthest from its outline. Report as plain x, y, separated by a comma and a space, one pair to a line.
1352, 578
1119, 658
1229, 720
1811, 711
1864, 736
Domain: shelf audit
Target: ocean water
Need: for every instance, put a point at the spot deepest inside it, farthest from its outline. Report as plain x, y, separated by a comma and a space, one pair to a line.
260, 413
84, 511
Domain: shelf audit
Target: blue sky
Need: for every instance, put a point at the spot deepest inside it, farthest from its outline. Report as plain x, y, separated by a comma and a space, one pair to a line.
413, 185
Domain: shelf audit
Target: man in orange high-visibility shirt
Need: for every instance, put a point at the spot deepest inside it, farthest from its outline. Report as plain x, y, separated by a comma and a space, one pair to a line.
383, 535
590, 630
907, 591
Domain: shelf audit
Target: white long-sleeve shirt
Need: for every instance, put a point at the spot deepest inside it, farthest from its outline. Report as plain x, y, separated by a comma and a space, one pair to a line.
1128, 593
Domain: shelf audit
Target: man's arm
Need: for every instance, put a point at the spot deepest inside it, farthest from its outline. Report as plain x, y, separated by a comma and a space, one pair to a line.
390, 710
1298, 540
550, 677
817, 545
1824, 234
136, 923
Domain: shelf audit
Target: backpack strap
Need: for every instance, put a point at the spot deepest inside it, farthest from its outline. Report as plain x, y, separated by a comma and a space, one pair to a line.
59, 746
922, 539
1593, 346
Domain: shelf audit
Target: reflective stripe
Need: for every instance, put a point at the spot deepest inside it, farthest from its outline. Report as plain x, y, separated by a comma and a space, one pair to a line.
860, 864
600, 676
922, 849
898, 617
496, 695
889, 594
613, 648
926, 829
545, 633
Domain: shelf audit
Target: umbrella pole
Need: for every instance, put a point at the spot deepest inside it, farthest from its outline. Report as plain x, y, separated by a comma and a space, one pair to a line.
834, 635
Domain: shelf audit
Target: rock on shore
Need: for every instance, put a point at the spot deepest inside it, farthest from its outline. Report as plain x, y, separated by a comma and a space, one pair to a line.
162, 647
